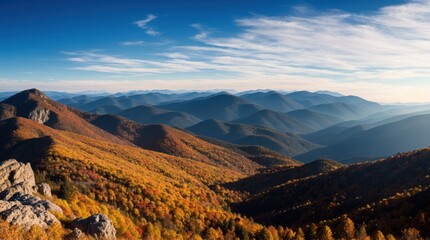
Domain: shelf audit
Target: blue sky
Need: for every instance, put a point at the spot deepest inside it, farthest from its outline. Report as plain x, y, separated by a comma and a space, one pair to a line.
376, 49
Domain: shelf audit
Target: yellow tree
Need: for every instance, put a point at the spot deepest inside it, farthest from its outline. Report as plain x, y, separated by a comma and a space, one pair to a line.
346, 229
325, 233
378, 235
152, 232
300, 235
390, 237
263, 234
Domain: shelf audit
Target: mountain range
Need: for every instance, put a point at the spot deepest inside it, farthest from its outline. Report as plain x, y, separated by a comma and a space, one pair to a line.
190, 165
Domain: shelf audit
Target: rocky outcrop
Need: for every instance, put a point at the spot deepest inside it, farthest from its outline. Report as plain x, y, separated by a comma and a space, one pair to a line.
30, 200
39, 115
14, 173
44, 189
26, 216
98, 226
18, 205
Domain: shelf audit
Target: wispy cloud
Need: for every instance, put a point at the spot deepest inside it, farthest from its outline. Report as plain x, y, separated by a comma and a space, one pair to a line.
132, 43
388, 49
143, 24
202, 31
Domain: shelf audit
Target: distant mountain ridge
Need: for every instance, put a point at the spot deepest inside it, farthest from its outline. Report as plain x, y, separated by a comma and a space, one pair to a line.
405, 135
284, 143
224, 107
275, 120
153, 115
272, 100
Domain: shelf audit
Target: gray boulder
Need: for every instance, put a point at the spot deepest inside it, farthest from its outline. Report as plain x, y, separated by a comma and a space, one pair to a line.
36, 202
9, 192
26, 216
98, 226
13, 173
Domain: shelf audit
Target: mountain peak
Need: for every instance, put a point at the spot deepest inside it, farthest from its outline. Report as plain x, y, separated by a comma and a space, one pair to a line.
30, 94
33, 92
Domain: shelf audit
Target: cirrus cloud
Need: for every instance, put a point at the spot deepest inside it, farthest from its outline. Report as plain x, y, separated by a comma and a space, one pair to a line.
143, 24
389, 48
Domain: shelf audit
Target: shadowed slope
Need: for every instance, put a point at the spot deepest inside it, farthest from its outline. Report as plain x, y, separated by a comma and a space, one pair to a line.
358, 190
272, 100
258, 154
404, 135
224, 107
152, 115
278, 176
284, 143
314, 120
275, 120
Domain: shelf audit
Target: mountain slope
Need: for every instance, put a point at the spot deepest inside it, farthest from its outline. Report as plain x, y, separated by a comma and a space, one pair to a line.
258, 154
314, 120
224, 107
331, 134
148, 186
35, 105
389, 203
404, 135
175, 142
341, 110
152, 115
268, 180
275, 120
284, 143
309, 99
272, 100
